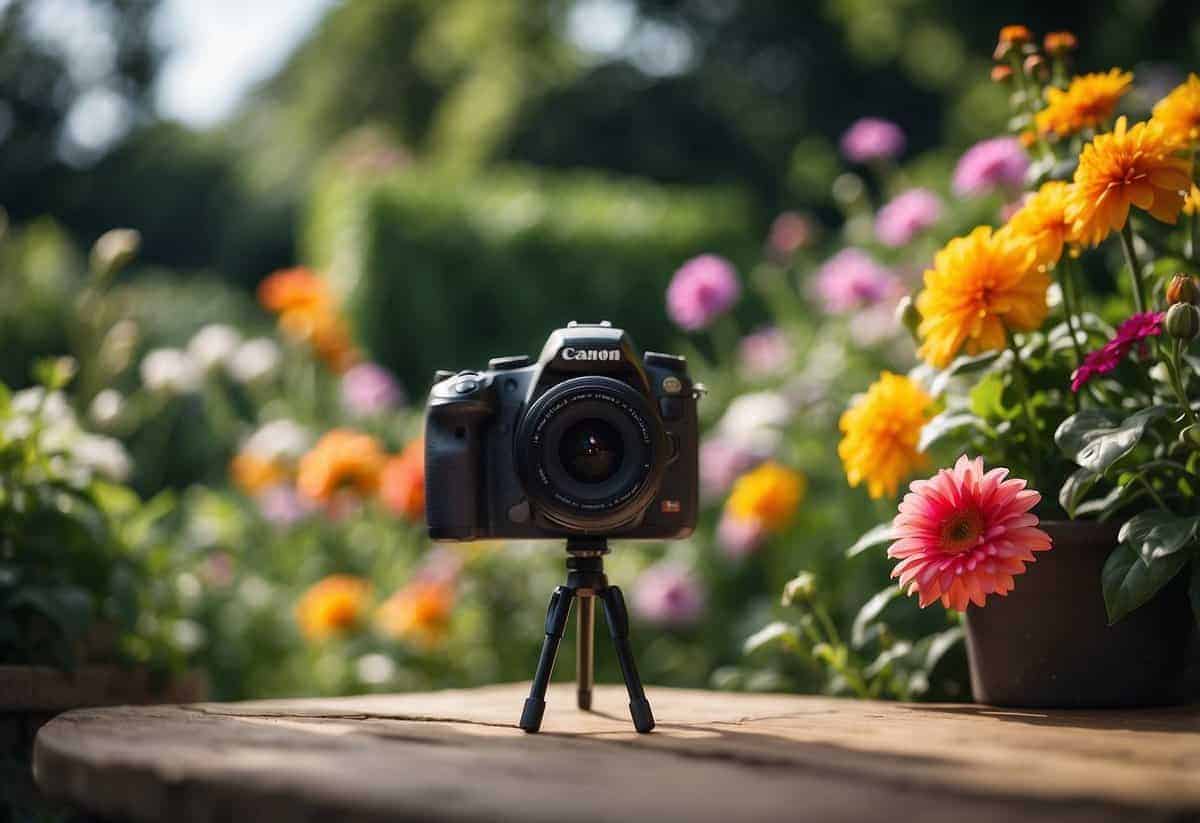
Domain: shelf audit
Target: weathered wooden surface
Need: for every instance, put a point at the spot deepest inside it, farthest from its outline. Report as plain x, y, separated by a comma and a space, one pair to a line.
457, 755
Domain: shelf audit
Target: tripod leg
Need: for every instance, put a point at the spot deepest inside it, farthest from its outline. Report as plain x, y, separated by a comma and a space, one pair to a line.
618, 627
584, 651
556, 623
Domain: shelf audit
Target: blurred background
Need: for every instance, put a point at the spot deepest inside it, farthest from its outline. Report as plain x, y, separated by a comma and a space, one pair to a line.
448, 180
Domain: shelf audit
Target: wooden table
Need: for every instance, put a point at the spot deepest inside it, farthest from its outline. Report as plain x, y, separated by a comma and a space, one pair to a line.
457, 755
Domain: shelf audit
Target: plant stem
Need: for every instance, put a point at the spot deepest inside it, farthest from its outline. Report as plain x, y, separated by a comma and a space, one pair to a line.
1022, 384
1139, 289
1173, 362
1065, 283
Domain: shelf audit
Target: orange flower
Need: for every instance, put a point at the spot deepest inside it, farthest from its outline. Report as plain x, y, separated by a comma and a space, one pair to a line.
1015, 35
1088, 102
1137, 166
342, 459
768, 495
1043, 221
881, 430
402, 483
419, 612
980, 287
1058, 43
253, 474
1192, 204
293, 289
1179, 112
332, 606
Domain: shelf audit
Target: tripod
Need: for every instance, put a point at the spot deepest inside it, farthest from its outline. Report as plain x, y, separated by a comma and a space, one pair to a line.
586, 581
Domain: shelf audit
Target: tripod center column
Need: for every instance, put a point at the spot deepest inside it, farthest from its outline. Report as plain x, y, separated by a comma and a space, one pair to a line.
585, 643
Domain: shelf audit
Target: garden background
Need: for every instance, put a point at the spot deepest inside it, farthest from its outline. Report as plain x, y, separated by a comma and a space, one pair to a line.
461, 177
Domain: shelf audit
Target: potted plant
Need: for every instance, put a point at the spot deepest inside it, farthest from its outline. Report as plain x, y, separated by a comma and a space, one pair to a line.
1022, 370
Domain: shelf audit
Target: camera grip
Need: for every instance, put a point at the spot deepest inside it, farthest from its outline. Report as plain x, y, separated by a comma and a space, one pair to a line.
453, 461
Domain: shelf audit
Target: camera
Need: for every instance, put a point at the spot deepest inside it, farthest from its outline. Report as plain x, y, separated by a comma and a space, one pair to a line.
588, 440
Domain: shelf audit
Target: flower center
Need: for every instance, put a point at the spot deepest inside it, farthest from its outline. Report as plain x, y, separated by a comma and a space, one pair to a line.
961, 532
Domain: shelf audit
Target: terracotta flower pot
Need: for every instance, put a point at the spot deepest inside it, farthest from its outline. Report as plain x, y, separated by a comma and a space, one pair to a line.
1048, 643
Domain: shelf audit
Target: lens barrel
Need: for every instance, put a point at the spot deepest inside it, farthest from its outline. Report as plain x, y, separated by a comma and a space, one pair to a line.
590, 452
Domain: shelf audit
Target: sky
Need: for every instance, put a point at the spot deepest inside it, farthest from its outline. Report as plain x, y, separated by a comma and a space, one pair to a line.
219, 49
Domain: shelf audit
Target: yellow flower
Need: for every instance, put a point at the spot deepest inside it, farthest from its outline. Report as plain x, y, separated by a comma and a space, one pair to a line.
420, 612
980, 287
1179, 112
341, 459
332, 606
1043, 221
1088, 102
1137, 166
880, 434
253, 474
768, 495
1192, 204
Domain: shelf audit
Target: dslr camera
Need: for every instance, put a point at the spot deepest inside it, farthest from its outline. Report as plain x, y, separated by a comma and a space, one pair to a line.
589, 440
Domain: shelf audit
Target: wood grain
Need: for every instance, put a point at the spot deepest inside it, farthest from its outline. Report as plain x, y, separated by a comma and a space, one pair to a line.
457, 755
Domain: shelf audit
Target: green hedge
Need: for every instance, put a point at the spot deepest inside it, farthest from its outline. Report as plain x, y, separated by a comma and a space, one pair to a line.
443, 272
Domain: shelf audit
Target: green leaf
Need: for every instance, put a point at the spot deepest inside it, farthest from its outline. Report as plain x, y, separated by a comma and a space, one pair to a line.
868, 613
1072, 432
1075, 488
1099, 447
1157, 534
960, 367
768, 635
944, 425
1129, 583
941, 643
69, 608
876, 537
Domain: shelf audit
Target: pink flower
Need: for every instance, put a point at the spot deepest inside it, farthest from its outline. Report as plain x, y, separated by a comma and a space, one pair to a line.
851, 279
789, 231
667, 594
963, 534
765, 352
721, 461
998, 163
906, 216
284, 506
1133, 332
703, 288
739, 537
872, 138
369, 389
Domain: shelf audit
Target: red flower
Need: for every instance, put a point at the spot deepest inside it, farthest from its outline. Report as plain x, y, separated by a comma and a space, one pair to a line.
1132, 332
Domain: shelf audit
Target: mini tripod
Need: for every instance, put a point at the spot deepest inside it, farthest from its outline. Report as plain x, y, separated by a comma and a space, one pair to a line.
586, 581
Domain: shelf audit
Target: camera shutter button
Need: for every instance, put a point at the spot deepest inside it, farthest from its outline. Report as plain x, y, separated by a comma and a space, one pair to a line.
465, 386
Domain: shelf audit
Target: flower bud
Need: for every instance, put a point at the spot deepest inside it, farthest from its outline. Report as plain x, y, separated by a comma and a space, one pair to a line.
1000, 73
1015, 35
114, 250
799, 589
1035, 67
907, 315
1183, 288
1183, 321
1059, 43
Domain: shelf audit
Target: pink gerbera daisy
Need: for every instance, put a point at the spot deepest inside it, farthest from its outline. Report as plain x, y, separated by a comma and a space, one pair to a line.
963, 534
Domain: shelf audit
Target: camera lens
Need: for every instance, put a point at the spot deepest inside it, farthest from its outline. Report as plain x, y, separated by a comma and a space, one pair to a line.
591, 451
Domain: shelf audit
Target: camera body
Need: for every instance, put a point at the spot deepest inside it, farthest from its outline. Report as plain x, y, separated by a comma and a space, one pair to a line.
589, 439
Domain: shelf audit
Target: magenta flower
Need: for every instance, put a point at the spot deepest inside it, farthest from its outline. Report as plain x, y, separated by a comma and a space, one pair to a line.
789, 231
284, 506
872, 138
1133, 332
906, 216
369, 389
765, 352
851, 279
998, 163
721, 462
738, 537
668, 595
703, 289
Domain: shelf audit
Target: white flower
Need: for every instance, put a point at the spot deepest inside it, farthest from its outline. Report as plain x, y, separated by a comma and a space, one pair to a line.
753, 421
254, 360
375, 668
103, 455
214, 345
278, 440
171, 371
54, 407
106, 407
